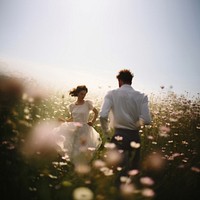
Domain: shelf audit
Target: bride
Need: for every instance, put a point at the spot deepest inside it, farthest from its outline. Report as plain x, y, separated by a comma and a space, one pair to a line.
80, 139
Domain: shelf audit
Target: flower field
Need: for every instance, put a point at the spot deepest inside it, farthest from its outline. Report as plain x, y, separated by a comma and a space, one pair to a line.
35, 168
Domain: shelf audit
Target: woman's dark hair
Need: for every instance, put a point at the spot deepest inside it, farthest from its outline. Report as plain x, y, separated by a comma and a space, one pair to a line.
74, 92
125, 75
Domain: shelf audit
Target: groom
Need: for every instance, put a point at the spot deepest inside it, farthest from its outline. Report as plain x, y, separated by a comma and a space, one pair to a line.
130, 111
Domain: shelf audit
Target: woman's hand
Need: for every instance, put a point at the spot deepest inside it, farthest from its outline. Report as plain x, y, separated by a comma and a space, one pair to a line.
90, 123
61, 119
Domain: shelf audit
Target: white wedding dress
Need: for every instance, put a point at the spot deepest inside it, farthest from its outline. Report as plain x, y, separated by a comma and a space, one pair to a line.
78, 140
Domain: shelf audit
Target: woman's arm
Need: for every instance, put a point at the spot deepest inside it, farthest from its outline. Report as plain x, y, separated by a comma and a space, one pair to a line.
69, 119
61, 119
90, 123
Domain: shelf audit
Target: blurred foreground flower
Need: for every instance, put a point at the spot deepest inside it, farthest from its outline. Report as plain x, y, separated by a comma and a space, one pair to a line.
82, 168
83, 193
154, 162
133, 172
127, 190
11, 90
112, 157
147, 192
98, 164
146, 181
42, 140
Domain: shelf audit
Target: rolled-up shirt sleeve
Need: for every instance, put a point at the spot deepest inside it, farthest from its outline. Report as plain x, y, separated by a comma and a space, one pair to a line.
145, 113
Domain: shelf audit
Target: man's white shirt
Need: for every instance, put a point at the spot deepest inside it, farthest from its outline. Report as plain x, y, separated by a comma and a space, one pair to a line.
127, 106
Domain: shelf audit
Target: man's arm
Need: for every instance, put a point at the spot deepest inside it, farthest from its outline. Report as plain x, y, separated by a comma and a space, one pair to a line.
145, 113
105, 109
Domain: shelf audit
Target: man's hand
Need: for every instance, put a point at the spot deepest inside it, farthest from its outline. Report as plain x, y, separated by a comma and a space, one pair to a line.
140, 122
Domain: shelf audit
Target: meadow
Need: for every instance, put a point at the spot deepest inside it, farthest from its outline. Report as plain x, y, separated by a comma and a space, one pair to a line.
170, 161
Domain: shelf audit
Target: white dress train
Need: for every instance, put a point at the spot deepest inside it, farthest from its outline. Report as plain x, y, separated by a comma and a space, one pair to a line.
77, 139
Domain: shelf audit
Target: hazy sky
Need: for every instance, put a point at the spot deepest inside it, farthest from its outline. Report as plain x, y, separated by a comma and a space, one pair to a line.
70, 42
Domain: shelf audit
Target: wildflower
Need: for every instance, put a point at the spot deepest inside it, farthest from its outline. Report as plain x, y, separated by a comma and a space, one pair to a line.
118, 138
112, 157
150, 137
42, 139
146, 181
125, 179
127, 190
107, 171
99, 163
83, 193
82, 168
195, 169
135, 145
176, 154
133, 172
147, 192
154, 142
154, 162
163, 131
109, 145
32, 189
52, 176
119, 168
173, 119
184, 142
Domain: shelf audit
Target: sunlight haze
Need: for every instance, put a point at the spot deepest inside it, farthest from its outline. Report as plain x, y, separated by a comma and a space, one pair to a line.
69, 42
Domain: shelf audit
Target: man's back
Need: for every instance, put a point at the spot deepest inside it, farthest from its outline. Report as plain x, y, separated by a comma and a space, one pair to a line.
127, 106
